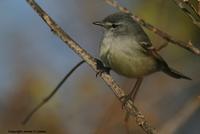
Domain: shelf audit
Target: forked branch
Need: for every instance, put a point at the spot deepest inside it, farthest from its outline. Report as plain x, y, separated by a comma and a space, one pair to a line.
190, 10
132, 109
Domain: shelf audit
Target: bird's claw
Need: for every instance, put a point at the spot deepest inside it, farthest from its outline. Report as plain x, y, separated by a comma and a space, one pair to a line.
125, 99
99, 73
101, 68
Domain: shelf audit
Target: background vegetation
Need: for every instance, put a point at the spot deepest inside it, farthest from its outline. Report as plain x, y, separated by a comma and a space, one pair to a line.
33, 61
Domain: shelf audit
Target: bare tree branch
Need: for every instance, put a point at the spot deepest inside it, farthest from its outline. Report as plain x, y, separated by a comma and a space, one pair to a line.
180, 117
189, 10
198, 7
162, 46
92, 63
188, 46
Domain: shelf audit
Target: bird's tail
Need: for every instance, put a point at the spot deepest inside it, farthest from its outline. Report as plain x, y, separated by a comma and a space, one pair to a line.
175, 74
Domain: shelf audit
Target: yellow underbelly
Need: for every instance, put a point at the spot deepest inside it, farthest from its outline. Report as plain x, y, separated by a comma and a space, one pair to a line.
136, 65
127, 57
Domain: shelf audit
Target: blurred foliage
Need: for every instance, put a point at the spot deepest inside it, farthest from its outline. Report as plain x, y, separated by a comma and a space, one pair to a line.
33, 61
21, 102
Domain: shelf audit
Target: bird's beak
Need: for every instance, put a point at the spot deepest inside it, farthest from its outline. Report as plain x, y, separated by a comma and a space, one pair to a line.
99, 23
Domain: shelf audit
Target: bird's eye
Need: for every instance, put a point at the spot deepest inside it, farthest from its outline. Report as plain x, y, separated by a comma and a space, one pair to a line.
114, 25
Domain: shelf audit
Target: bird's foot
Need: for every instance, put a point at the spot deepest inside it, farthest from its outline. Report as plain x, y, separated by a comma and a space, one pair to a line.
125, 99
101, 68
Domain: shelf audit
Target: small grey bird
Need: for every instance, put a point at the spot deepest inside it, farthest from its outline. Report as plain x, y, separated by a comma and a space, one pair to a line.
126, 49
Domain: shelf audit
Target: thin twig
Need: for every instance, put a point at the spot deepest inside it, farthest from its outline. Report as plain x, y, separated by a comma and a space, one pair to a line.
198, 7
92, 63
162, 46
188, 46
28, 117
187, 7
180, 117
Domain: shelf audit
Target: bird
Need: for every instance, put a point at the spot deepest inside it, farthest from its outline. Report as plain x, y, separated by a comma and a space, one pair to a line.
126, 49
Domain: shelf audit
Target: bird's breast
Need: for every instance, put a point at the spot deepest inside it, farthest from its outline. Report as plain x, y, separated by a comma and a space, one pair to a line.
126, 57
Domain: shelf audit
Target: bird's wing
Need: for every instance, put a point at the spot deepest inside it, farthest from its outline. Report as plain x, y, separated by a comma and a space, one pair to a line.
150, 50
143, 40
141, 37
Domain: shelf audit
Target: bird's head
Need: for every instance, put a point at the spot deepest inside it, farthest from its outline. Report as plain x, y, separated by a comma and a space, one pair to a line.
119, 23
